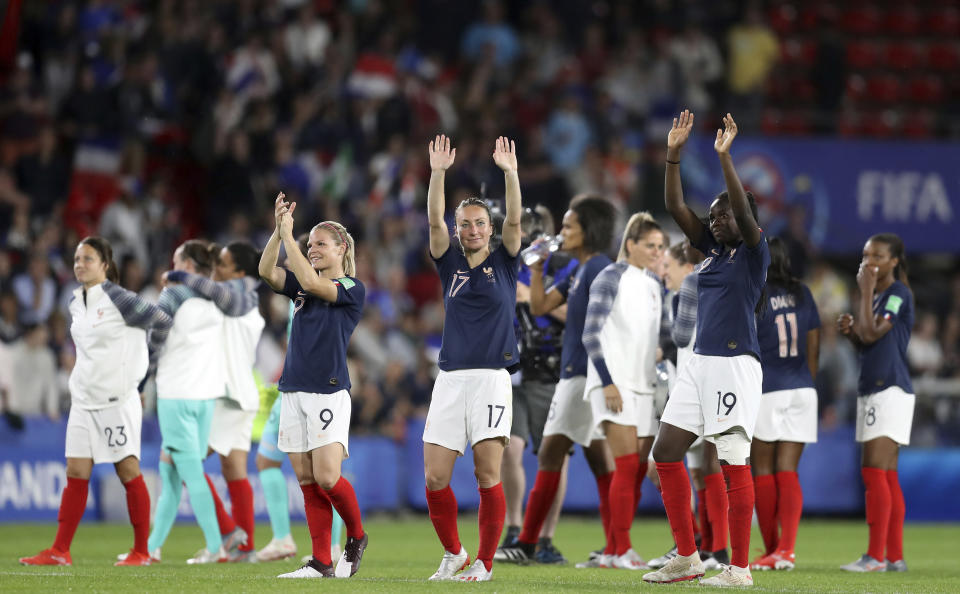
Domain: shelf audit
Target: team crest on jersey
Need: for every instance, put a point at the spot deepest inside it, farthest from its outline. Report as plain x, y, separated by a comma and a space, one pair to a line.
299, 301
488, 270
732, 252
99, 313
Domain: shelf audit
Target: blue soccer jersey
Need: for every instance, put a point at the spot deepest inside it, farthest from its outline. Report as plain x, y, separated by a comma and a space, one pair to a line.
782, 334
478, 330
884, 363
576, 289
317, 350
729, 284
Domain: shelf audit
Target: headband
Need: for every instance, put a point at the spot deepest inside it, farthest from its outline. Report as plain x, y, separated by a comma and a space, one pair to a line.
340, 234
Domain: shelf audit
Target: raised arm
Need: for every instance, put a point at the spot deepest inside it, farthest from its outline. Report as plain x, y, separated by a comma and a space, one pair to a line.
673, 189
868, 327
135, 310
441, 158
272, 274
749, 228
312, 283
234, 298
542, 301
505, 156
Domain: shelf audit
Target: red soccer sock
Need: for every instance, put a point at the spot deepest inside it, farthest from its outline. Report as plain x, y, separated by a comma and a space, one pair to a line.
319, 520
717, 507
878, 509
740, 496
675, 488
138, 506
898, 510
765, 489
493, 510
344, 500
241, 504
227, 525
538, 505
705, 532
621, 494
72, 504
442, 505
789, 509
638, 487
603, 492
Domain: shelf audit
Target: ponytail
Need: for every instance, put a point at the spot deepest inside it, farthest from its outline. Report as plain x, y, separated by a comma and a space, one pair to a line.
105, 251
203, 254
897, 250
341, 236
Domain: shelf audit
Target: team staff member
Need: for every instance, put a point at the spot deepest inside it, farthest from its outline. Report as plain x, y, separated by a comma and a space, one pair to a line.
316, 407
881, 330
108, 330
717, 394
789, 336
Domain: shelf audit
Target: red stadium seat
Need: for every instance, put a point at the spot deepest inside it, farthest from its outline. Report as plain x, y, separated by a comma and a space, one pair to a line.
883, 124
771, 122
861, 20
782, 18
943, 21
848, 124
861, 54
884, 88
856, 87
801, 89
902, 56
799, 52
926, 89
943, 56
918, 124
902, 20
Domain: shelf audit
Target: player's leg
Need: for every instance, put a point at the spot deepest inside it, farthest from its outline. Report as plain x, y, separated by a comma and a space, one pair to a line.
538, 396
269, 463
895, 561
234, 468
762, 457
138, 507
187, 455
73, 502
317, 507
550, 459
877, 456
165, 514
487, 460
622, 441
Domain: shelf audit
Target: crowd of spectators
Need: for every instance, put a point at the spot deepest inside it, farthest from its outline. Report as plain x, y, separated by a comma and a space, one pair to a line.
150, 122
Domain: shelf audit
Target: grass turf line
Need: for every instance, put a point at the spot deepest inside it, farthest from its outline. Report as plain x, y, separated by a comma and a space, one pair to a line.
403, 553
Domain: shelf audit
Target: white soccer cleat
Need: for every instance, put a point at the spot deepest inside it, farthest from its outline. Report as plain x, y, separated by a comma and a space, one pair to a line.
629, 560
601, 561
204, 556
312, 569
154, 555
865, 564
450, 565
477, 573
277, 549
678, 569
663, 560
731, 576
233, 541
898, 566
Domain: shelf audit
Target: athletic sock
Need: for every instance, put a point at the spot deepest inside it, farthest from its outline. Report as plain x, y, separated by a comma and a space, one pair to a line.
336, 529
318, 511
603, 491
638, 486
493, 511
138, 506
190, 467
278, 504
241, 504
344, 500
73, 502
765, 489
167, 503
538, 505
717, 507
878, 505
789, 509
442, 506
621, 493
675, 489
897, 512
740, 496
705, 531
224, 520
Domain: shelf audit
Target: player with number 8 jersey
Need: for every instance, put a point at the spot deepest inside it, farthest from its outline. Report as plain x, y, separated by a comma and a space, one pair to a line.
315, 384
472, 396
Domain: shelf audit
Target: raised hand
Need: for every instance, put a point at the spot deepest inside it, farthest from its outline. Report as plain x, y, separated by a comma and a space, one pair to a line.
441, 155
280, 208
725, 136
286, 221
680, 132
505, 154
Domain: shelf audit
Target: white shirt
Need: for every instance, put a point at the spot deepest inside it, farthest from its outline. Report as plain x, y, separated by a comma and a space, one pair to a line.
241, 335
192, 364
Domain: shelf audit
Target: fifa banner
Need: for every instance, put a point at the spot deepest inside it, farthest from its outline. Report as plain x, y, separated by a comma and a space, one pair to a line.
841, 191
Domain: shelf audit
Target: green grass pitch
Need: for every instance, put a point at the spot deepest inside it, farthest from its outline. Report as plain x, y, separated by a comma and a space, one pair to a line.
404, 552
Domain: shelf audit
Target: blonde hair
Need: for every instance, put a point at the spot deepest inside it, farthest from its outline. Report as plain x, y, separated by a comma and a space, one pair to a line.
341, 236
638, 226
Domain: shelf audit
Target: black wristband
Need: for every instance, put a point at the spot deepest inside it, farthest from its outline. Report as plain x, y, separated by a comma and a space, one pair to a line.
673, 162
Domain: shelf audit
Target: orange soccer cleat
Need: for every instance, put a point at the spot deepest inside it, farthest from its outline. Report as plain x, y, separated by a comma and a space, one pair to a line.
49, 556
135, 558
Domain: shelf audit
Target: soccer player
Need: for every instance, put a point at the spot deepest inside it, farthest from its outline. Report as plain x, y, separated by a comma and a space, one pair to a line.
789, 337
586, 232
108, 329
717, 394
471, 400
881, 330
234, 291
191, 375
620, 334
316, 407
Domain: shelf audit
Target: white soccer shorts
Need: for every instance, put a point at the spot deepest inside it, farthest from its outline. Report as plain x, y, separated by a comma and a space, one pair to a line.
231, 428
469, 406
888, 413
788, 415
106, 434
309, 421
570, 414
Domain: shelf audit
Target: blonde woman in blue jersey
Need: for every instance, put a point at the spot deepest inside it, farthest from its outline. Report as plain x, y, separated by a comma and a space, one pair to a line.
472, 396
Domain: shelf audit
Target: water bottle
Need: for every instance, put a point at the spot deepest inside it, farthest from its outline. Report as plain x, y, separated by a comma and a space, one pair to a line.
539, 249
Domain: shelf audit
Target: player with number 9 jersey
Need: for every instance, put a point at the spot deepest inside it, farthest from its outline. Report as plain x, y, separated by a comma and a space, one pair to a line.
788, 331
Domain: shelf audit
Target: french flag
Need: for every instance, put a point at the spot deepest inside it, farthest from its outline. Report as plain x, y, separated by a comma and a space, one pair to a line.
95, 183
